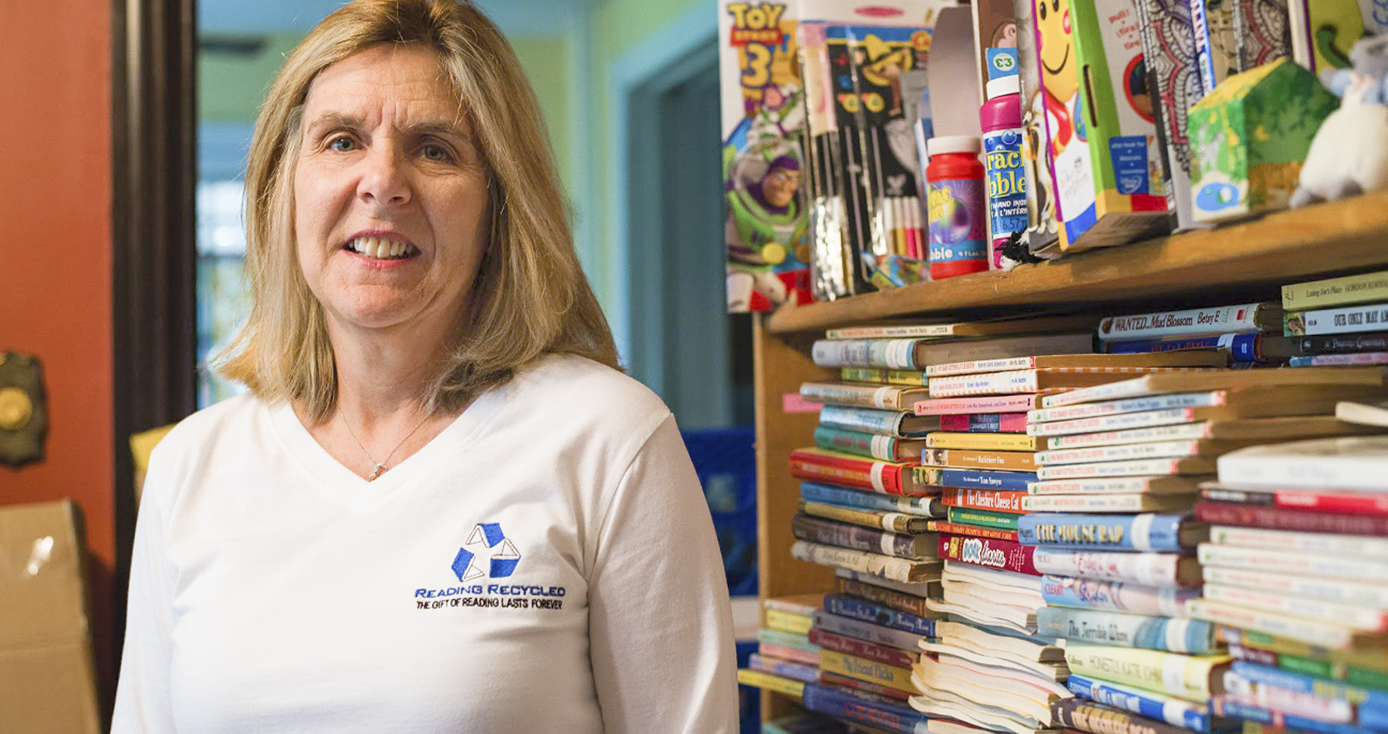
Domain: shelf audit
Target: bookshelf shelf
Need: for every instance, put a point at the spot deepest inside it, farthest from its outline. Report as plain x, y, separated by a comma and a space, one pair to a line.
1281, 247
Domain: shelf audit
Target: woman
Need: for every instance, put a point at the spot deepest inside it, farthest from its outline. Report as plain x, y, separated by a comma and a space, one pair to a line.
441, 508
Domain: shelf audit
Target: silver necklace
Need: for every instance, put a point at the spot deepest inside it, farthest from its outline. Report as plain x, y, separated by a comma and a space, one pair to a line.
377, 466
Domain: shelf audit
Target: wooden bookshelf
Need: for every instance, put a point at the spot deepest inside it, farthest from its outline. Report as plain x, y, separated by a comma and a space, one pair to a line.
1255, 256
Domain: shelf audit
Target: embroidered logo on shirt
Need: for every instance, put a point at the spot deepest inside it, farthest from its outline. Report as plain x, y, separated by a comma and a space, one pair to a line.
486, 548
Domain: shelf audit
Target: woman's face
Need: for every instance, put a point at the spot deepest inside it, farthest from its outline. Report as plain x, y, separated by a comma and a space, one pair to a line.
390, 194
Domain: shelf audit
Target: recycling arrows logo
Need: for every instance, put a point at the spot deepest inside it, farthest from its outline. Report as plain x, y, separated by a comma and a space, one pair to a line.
487, 552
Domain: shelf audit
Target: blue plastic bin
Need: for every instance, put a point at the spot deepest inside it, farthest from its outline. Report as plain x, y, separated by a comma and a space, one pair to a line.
725, 460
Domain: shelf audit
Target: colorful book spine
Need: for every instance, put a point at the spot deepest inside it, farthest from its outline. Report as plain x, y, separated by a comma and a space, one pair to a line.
1129, 405
893, 522
984, 404
878, 476
783, 668
860, 499
878, 715
982, 499
779, 619
1349, 545
1243, 347
1169, 634
1314, 587
1260, 28
995, 383
972, 530
771, 682
985, 422
1370, 317
1179, 432
912, 378
1116, 422
864, 649
989, 553
971, 459
1115, 485
981, 366
882, 397
852, 666
785, 652
1105, 503
1363, 288
1150, 704
1324, 634
867, 420
1093, 718
857, 537
1192, 677
870, 445
867, 631
876, 564
1186, 322
1376, 341
1349, 615
1148, 569
973, 478
1363, 570
969, 516
1143, 532
1126, 452
1285, 518
1250, 712
1339, 360
895, 354
866, 611
868, 690
1361, 503
886, 597
1139, 468
983, 441
1117, 596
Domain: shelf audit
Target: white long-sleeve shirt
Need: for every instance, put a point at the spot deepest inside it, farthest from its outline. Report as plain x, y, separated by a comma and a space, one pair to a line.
546, 564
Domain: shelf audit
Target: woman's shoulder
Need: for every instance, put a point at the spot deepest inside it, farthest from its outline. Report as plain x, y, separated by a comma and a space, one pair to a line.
203, 427
578, 388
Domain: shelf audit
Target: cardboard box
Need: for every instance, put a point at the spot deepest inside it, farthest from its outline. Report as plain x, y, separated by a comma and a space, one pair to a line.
1099, 123
47, 674
1250, 138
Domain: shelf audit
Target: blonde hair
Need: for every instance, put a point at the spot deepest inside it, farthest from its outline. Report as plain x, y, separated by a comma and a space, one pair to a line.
530, 297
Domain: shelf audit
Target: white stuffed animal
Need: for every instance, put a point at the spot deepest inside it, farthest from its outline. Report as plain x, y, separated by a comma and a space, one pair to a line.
1349, 154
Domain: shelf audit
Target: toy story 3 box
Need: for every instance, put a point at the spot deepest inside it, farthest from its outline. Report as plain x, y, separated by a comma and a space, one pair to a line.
1101, 132
763, 156
1250, 137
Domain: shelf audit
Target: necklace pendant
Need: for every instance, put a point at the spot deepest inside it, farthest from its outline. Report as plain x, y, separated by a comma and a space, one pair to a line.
376, 472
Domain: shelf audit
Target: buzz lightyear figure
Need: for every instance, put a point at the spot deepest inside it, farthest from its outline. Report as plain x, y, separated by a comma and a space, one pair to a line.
765, 222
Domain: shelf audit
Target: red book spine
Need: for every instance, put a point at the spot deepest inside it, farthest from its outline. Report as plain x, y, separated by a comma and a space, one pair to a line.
1003, 555
866, 474
863, 649
954, 528
1349, 503
993, 500
985, 422
1286, 518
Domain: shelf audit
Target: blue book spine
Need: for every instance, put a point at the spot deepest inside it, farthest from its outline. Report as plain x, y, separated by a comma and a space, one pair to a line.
1241, 347
1302, 683
815, 492
866, 611
833, 702
1263, 715
867, 420
1148, 632
1143, 703
1145, 532
1373, 715
1013, 481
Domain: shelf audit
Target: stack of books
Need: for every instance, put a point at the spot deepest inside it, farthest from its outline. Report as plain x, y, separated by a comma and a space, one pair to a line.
1338, 321
1126, 460
785, 658
1296, 574
1250, 333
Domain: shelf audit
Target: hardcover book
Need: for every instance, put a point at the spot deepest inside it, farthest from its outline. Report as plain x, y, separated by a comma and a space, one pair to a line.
1350, 319
897, 569
1192, 322
895, 522
869, 445
856, 537
901, 424
1331, 292
882, 397
855, 471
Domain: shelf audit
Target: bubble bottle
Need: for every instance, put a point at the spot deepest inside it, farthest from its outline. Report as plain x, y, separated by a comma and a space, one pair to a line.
956, 207
1001, 116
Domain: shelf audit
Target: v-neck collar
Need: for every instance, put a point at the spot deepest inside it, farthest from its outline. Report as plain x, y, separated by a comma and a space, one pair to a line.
344, 485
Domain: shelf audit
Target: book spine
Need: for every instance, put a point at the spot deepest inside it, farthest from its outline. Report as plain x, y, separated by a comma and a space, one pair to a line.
865, 689
976, 479
1188, 322
1148, 569
784, 668
891, 332
1117, 422
1089, 503
1116, 596
871, 445
1143, 532
895, 354
787, 640
1122, 452
1262, 559
866, 611
998, 404
1115, 485
982, 499
1283, 518
1355, 617
1349, 545
875, 564
882, 397
958, 528
1314, 587
984, 422
863, 649
980, 366
779, 619
892, 522
982, 441
863, 374
1340, 360
970, 459
1370, 317
855, 537
1139, 468
1233, 707
1131, 405
1185, 676
830, 702
996, 383
861, 499
877, 476
1349, 344
1167, 634
1092, 718
1241, 347
989, 553
1181, 432
890, 598
852, 666
867, 631
1152, 705
1296, 628
769, 682
1364, 288
867, 420
969, 516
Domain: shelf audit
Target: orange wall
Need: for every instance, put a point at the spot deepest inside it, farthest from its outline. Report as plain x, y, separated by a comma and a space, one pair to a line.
55, 260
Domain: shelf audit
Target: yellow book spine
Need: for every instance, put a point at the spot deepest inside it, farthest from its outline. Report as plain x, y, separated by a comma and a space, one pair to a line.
768, 682
796, 624
852, 666
1346, 291
984, 441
